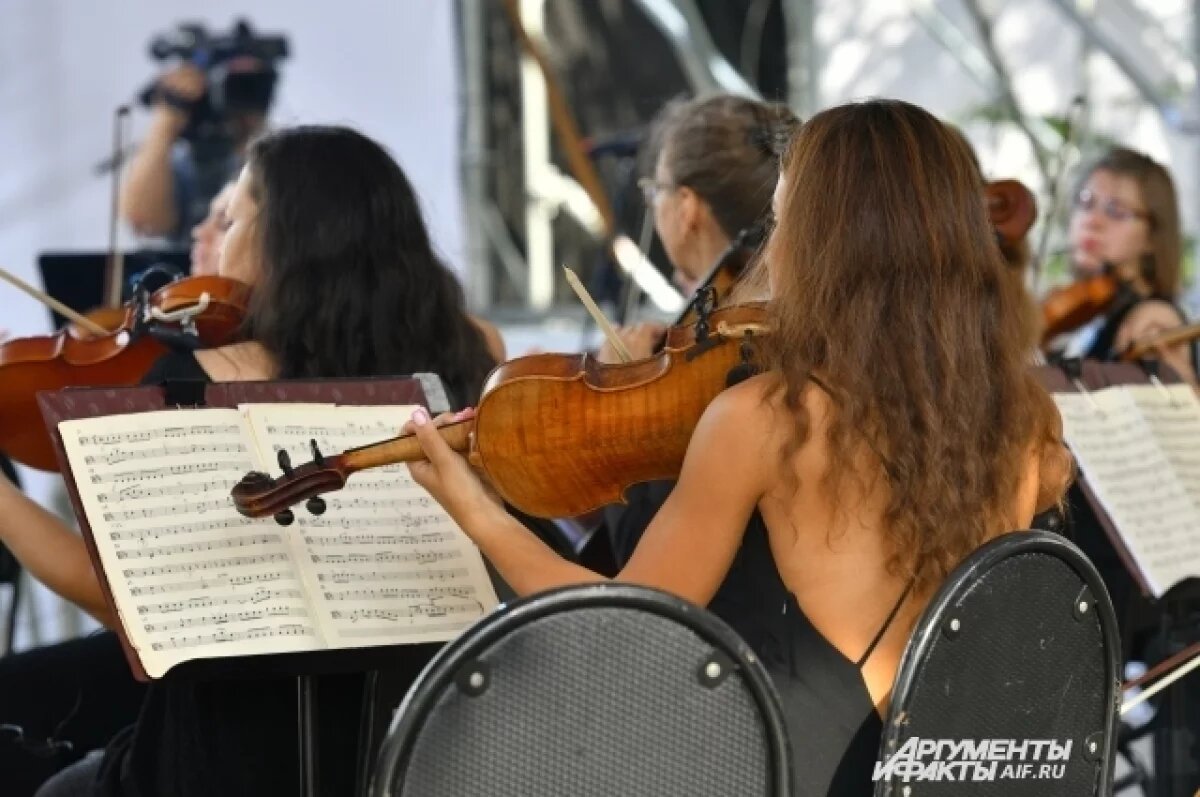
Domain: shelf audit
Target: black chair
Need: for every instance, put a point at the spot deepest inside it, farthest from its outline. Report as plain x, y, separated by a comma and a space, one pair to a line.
598, 689
1019, 644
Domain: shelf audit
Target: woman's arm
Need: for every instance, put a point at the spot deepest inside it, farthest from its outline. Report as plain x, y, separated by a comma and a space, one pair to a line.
688, 547
50, 551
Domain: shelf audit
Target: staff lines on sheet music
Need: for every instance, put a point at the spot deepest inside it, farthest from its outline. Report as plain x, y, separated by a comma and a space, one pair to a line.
138, 492
157, 452
376, 504
170, 510
1135, 475
350, 429
225, 543
386, 483
259, 595
210, 564
346, 576
212, 583
415, 610
401, 593
403, 521
144, 474
234, 521
225, 618
145, 436
340, 540
199, 640
421, 557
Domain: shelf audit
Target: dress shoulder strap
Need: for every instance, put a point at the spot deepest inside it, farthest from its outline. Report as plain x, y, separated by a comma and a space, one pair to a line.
883, 629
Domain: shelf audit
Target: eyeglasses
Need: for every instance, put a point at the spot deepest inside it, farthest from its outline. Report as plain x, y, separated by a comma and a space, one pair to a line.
650, 189
1112, 209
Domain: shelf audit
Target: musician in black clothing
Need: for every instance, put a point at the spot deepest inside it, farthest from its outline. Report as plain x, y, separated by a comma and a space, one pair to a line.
326, 227
1126, 220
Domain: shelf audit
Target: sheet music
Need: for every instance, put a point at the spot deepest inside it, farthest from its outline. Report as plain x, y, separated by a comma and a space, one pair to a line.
385, 563
1120, 455
191, 577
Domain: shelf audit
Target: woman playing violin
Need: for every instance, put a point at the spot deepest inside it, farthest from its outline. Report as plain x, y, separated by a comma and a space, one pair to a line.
716, 167
884, 442
1126, 220
80, 688
326, 227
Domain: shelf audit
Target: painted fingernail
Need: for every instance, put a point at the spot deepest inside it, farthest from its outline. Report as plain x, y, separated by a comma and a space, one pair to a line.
420, 417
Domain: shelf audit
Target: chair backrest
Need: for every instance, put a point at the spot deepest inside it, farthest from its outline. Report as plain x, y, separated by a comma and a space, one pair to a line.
590, 690
1013, 660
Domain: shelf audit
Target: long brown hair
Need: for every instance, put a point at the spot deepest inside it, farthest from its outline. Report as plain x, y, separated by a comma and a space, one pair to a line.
889, 291
1160, 267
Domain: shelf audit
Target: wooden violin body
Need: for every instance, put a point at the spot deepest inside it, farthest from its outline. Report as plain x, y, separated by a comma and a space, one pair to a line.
1074, 305
208, 309
558, 435
563, 435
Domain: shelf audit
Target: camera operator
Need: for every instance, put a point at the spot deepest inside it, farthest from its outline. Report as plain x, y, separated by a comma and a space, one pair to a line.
204, 113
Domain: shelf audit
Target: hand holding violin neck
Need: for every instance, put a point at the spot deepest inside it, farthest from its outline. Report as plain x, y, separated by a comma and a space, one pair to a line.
405, 448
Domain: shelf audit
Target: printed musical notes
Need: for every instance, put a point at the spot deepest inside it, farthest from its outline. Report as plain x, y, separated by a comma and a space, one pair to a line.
172, 543
192, 578
383, 547
1137, 449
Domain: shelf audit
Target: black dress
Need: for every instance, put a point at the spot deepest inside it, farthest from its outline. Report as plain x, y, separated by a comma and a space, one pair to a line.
832, 722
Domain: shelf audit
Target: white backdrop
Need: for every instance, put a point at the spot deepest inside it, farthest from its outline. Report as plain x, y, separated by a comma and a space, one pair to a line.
386, 67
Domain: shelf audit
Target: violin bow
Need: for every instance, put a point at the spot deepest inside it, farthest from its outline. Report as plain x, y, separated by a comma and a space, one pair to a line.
1165, 339
597, 315
54, 304
1182, 663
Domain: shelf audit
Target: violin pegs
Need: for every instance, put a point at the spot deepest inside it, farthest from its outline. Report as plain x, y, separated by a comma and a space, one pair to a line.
285, 462
318, 457
285, 517
315, 505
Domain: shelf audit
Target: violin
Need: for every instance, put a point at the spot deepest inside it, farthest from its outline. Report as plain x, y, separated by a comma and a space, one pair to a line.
1071, 306
613, 425
1012, 209
196, 311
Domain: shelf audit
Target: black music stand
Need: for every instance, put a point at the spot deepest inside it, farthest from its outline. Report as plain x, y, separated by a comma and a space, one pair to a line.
72, 403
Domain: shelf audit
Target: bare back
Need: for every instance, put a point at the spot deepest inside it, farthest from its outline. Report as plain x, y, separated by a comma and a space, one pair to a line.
831, 552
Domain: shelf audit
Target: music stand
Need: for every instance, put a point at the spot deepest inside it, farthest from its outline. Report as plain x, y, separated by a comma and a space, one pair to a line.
73, 403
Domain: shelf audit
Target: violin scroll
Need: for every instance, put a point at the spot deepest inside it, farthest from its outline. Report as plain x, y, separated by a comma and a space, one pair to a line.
259, 495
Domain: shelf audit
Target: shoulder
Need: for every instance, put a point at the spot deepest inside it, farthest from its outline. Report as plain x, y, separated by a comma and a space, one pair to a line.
753, 417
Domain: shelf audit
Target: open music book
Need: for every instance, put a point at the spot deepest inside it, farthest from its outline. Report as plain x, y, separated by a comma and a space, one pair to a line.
191, 578
1138, 447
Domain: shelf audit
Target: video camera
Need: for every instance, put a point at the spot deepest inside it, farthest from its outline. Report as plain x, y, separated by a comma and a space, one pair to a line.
231, 87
